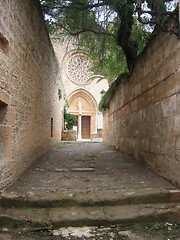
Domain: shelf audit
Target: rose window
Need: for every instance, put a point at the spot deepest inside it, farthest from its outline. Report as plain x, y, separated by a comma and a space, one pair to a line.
78, 69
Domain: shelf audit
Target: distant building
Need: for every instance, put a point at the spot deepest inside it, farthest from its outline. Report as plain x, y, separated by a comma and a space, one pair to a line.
82, 88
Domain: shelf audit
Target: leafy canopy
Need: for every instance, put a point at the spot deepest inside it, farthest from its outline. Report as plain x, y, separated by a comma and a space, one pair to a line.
107, 29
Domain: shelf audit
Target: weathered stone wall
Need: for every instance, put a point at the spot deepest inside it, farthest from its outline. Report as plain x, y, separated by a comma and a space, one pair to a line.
68, 135
143, 118
30, 110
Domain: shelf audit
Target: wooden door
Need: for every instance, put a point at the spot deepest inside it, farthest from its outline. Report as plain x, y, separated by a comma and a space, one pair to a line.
86, 121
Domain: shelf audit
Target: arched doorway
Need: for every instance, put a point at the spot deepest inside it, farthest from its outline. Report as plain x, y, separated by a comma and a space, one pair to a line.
82, 104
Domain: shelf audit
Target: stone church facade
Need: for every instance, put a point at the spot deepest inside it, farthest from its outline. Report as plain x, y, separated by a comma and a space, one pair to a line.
83, 91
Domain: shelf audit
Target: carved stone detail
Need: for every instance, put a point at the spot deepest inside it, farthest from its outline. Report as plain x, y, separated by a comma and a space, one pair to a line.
78, 69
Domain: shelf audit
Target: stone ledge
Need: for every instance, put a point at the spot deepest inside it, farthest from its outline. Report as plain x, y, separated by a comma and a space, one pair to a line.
87, 216
89, 199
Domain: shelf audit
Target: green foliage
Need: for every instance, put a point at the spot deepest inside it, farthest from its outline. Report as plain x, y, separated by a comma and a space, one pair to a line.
59, 94
17, 223
69, 120
107, 58
141, 36
104, 103
106, 29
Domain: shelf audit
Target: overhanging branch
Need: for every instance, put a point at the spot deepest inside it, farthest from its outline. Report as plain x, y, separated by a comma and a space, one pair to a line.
83, 30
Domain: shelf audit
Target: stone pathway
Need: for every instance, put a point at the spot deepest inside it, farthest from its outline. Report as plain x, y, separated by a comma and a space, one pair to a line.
87, 183
83, 167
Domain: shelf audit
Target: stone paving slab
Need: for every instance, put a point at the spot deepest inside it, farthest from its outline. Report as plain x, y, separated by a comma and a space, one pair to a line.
38, 218
108, 198
85, 167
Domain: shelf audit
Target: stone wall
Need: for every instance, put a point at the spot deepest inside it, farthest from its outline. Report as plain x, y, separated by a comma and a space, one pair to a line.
68, 135
30, 110
143, 118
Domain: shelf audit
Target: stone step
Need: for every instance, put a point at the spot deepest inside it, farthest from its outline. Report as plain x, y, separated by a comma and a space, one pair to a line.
90, 199
53, 218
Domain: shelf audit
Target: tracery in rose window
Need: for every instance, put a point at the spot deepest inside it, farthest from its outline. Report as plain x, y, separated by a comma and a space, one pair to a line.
78, 69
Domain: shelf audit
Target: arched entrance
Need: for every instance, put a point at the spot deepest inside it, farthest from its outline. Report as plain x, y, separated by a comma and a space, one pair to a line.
82, 104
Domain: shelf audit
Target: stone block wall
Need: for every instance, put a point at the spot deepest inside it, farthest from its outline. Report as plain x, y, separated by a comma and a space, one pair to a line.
68, 135
30, 110
143, 118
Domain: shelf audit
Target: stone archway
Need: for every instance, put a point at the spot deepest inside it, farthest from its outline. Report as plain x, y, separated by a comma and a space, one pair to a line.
82, 104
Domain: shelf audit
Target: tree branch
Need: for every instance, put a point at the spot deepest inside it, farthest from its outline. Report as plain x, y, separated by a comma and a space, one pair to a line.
80, 31
82, 6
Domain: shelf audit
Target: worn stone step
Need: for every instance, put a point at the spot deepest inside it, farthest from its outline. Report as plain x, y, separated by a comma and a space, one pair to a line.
51, 218
108, 198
